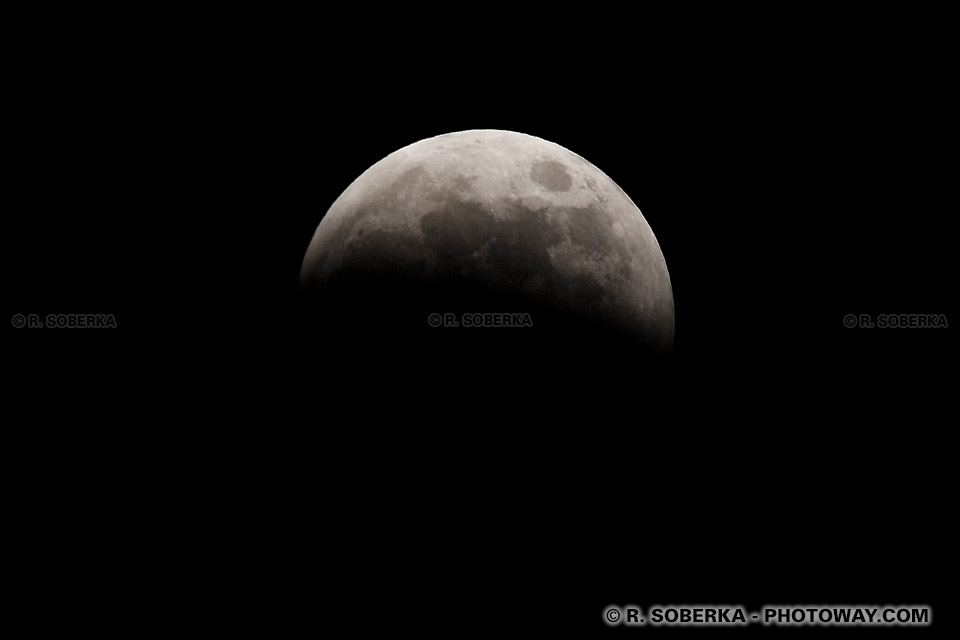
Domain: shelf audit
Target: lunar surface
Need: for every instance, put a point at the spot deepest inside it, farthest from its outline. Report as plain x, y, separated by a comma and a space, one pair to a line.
491, 221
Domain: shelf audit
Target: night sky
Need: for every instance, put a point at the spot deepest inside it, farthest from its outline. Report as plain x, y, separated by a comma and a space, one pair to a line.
790, 179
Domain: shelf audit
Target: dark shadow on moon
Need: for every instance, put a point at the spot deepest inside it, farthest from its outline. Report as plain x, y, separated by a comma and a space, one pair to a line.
383, 317
467, 260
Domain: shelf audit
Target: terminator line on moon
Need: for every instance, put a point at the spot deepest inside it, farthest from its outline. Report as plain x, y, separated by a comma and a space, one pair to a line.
505, 211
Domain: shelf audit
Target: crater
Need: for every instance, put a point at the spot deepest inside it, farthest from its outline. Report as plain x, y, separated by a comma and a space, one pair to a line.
551, 175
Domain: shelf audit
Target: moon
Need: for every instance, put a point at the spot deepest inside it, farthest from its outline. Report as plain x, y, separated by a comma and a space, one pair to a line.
491, 221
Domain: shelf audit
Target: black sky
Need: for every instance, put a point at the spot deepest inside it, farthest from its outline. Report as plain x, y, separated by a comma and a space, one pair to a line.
791, 177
